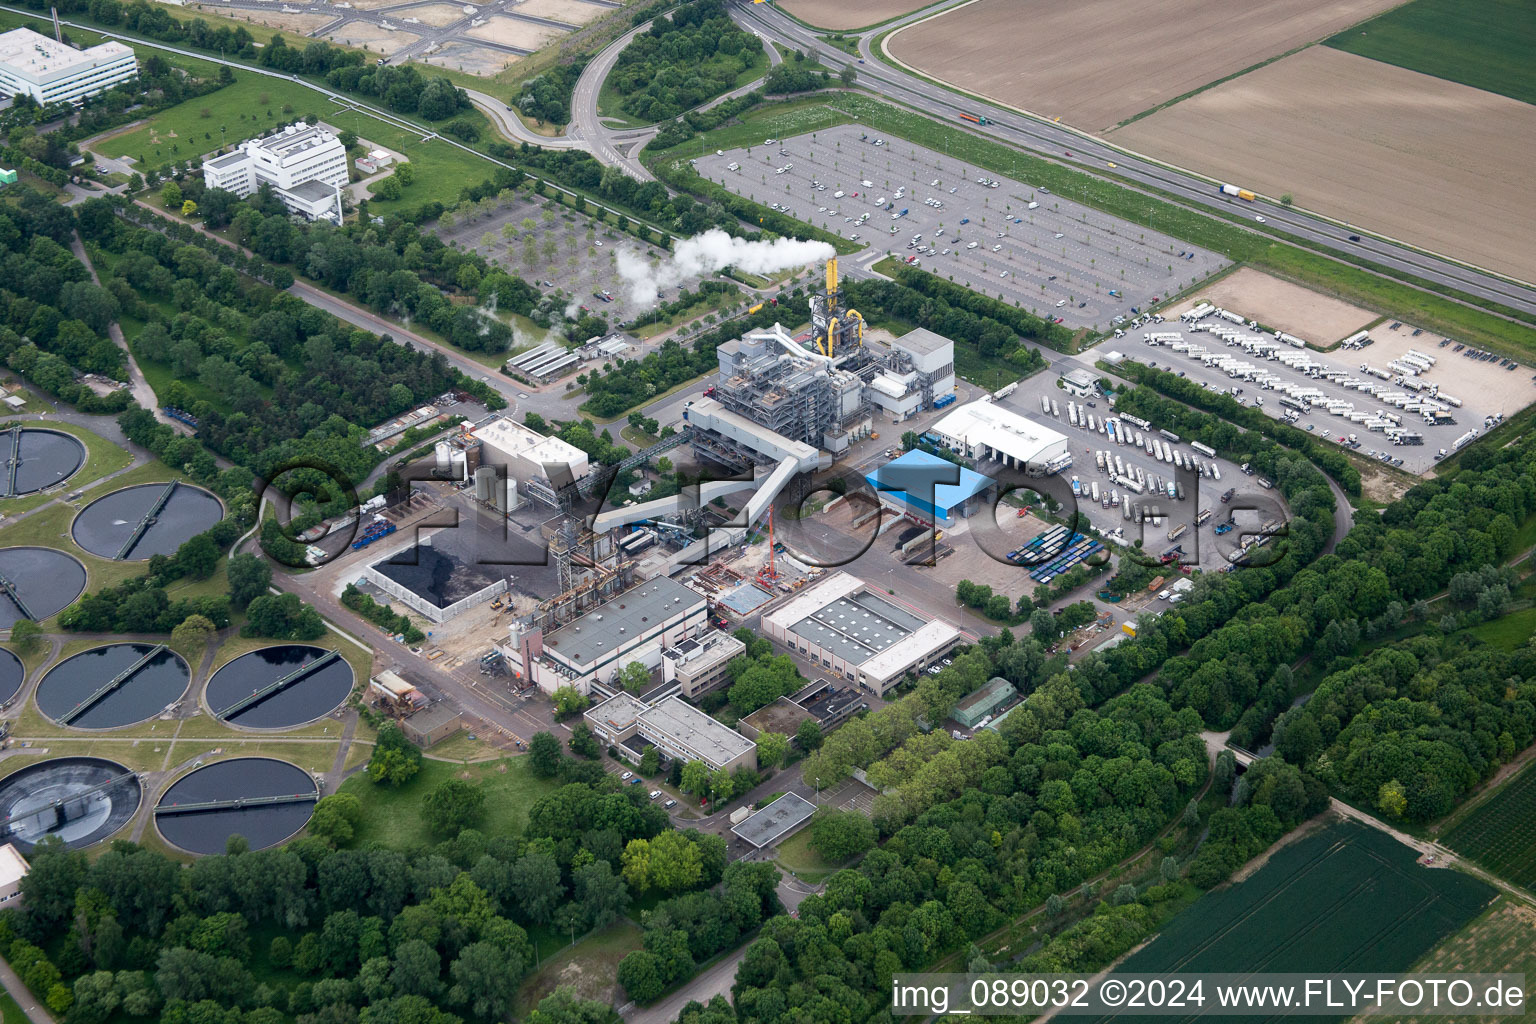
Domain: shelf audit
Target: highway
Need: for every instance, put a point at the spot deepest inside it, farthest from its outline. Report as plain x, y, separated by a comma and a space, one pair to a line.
879, 75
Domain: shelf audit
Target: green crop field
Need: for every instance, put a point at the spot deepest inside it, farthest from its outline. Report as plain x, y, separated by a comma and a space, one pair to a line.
1501, 940
1486, 44
1500, 833
1346, 899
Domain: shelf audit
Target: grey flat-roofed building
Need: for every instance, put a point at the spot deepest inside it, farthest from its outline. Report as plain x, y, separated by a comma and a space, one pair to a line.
682, 731
634, 626
857, 634
857, 627
615, 719
698, 664
979, 705
777, 821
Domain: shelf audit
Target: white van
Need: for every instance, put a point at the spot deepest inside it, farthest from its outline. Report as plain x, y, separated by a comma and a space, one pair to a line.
838, 194
733, 166
881, 201
1033, 206
867, 184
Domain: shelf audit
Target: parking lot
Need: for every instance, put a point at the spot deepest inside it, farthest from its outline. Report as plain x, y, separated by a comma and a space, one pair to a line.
564, 254
1001, 237
1253, 375
1166, 522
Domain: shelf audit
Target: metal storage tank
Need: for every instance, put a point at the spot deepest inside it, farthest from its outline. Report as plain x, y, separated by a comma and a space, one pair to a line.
460, 466
444, 456
512, 499
484, 479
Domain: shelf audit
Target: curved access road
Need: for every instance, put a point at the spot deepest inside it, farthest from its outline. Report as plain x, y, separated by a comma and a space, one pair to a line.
882, 75
509, 124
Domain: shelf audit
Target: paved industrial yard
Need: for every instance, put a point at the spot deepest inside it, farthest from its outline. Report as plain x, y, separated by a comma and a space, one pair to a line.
1252, 505
1473, 382
1060, 259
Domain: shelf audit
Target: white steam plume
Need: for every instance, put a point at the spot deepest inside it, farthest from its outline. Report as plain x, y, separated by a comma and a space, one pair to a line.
703, 255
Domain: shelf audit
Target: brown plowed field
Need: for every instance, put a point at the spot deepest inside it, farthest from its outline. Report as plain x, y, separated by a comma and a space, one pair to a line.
1441, 165
1097, 62
849, 13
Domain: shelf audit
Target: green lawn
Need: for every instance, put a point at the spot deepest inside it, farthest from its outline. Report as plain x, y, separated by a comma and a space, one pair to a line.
245, 109
392, 817
1487, 44
10, 1011
442, 170
797, 857
1509, 632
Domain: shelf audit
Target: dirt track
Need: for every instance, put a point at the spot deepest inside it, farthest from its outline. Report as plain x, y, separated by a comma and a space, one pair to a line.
1097, 62
1441, 165
849, 13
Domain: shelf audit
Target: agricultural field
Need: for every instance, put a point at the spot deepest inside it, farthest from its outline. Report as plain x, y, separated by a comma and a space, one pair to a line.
1347, 899
1486, 44
1500, 833
1448, 156
1501, 940
849, 13
1097, 64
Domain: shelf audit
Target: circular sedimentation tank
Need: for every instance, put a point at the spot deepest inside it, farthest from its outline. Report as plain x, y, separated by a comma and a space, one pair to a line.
35, 459
89, 691
110, 525
44, 580
310, 682
82, 800
199, 812
12, 675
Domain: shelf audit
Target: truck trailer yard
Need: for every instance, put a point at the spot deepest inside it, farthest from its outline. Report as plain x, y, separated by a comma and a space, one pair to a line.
1202, 479
1057, 259
1407, 402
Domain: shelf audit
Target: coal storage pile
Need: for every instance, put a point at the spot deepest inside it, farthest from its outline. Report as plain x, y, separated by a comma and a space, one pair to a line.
136, 523
261, 799
279, 687
118, 684
81, 800
36, 583
36, 459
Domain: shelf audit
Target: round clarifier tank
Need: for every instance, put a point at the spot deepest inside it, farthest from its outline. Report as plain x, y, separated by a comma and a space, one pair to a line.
45, 580
199, 812
86, 688
82, 800
110, 524
12, 675
47, 457
279, 687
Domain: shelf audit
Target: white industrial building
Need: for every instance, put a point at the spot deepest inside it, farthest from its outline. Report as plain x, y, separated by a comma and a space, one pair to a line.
305, 165
984, 430
637, 625
51, 72
923, 372
857, 634
539, 465
674, 727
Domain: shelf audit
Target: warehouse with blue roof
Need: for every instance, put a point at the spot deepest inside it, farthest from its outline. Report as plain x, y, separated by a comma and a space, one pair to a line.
904, 485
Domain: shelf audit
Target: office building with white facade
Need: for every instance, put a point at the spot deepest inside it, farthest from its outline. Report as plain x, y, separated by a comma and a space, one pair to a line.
51, 72
305, 165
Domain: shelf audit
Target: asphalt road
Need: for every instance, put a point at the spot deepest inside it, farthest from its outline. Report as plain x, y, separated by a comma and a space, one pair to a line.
1088, 153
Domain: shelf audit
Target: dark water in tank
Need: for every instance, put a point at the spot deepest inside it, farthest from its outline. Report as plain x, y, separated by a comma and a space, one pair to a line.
314, 695
208, 831
12, 675
47, 581
104, 525
47, 457
28, 796
143, 696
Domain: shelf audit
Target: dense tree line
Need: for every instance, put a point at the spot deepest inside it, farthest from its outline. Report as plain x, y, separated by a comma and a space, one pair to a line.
1219, 431
156, 22
547, 95
991, 337
53, 319
683, 60
685, 300
294, 383
1410, 729
1022, 323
